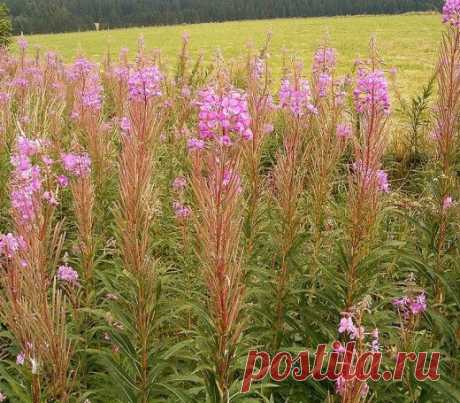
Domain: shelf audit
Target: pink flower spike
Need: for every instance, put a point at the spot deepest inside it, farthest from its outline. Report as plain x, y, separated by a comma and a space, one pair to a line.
451, 13
22, 43
67, 274
447, 203
346, 325
382, 178
371, 92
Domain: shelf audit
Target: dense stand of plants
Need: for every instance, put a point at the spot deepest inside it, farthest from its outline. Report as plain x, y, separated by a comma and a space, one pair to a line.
158, 222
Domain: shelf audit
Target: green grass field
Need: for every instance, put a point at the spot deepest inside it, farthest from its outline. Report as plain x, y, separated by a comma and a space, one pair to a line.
408, 42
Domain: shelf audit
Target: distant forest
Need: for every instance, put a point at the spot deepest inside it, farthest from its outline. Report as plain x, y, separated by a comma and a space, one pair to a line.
42, 16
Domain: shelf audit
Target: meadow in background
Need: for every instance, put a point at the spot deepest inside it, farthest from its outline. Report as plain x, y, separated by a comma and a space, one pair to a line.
161, 216
409, 42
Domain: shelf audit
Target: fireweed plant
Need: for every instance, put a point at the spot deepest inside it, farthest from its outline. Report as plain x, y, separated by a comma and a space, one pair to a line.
159, 220
224, 123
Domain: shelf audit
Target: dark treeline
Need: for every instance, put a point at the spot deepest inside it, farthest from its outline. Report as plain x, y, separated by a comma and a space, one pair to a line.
40, 16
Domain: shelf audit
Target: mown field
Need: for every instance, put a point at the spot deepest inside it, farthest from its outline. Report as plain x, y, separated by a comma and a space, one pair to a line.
408, 42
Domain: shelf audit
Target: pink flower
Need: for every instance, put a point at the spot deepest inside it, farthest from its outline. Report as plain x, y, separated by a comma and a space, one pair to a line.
4, 98
194, 144
344, 131
179, 183
220, 116
418, 305
324, 60
324, 83
10, 244
145, 84
232, 177
63, 181
20, 358
435, 135
340, 385
371, 92
296, 98
186, 92
338, 347
78, 165
182, 212
27, 147
2, 397
411, 306
447, 203
364, 390
67, 274
375, 340
225, 141
125, 124
257, 67
451, 13
382, 178
22, 43
370, 177
50, 198
346, 325
268, 128
47, 160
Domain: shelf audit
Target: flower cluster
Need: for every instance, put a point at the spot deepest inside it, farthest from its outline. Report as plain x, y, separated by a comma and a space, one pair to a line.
344, 131
22, 43
121, 73
371, 92
324, 84
194, 144
91, 95
179, 183
77, 165
451, 13
26, 180
257, 67
324, 60
145, 84
408, 306
88, 89
347, 326
354, 332
181, 211
296, 98
369, 177
67, 274
10, 244
80, 69
222, 115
